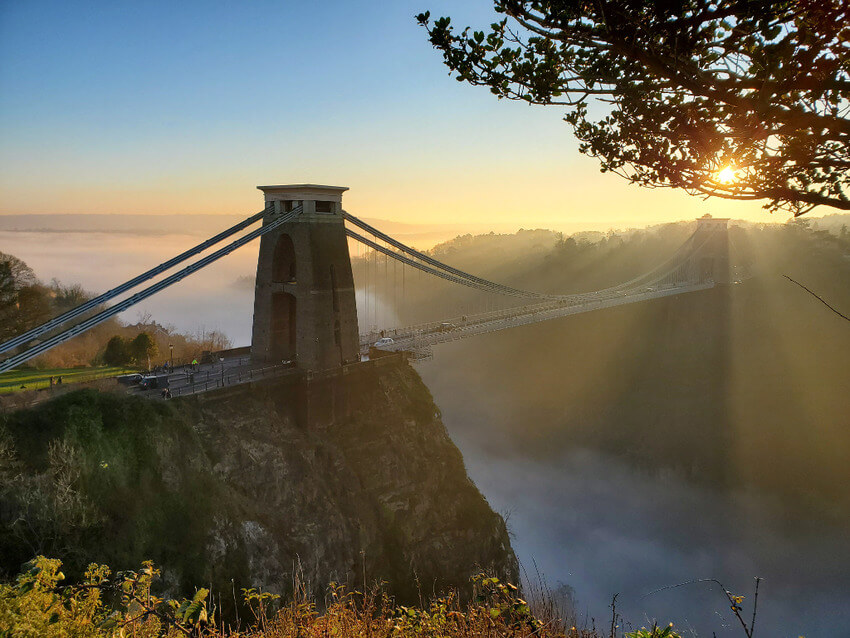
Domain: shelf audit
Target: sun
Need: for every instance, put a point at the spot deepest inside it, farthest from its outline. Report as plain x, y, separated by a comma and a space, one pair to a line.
727, 175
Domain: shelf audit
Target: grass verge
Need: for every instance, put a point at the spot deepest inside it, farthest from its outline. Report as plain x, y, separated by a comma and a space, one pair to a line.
36, 379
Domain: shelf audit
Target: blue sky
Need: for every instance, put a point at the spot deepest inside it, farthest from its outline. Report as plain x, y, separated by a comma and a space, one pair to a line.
185, 107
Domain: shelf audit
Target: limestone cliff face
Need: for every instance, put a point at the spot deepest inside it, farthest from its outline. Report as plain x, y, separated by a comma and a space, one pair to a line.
336, 479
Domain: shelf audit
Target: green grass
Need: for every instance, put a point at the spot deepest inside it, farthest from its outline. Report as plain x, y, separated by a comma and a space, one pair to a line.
34, 379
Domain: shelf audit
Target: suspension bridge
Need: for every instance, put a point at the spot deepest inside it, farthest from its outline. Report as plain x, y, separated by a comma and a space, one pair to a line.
305, 311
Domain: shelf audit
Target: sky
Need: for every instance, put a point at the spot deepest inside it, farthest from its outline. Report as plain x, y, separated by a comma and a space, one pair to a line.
185, 107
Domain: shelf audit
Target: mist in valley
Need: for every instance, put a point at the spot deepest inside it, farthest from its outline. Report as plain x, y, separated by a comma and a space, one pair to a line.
702, 436
214, 298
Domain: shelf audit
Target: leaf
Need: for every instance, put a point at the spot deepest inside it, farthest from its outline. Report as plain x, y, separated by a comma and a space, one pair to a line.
196, 611
110, 623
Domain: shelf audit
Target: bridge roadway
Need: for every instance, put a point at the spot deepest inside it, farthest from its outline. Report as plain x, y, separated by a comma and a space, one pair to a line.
418, 339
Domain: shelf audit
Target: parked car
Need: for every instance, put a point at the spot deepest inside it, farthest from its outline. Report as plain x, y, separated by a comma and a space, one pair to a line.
129, 379
384, 341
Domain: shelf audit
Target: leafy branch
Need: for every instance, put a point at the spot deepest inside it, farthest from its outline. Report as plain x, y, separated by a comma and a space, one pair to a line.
670, 94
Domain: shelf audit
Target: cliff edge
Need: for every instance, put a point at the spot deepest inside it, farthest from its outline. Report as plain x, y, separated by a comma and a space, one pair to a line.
338, 480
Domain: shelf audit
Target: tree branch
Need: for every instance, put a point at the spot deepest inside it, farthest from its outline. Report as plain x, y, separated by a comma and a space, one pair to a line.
818, 297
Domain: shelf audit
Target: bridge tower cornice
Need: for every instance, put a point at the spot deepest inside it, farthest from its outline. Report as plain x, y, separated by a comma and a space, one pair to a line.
316, 199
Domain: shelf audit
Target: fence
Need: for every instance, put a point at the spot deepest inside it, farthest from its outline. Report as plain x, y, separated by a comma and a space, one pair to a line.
225, 378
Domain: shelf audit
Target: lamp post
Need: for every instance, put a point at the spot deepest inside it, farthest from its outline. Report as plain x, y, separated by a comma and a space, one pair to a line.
171, 348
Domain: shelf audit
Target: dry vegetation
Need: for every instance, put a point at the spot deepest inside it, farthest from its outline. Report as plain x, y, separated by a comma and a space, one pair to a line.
123, 604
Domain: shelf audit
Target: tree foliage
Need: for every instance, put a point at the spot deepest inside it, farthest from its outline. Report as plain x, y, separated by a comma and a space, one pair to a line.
117, 352
24, 302
740, 99
143, 347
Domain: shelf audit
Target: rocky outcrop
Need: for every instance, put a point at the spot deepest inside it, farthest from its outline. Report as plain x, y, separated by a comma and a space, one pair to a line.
338, 479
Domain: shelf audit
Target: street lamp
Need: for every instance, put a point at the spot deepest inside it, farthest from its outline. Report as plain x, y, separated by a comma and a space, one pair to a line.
171, 348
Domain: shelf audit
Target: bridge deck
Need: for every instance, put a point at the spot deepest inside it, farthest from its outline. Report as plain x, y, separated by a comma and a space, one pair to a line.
420, 338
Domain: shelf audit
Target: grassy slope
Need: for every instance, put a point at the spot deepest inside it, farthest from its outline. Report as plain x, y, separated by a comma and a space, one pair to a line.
35, 379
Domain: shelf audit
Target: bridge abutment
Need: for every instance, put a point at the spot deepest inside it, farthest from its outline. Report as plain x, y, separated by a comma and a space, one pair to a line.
304, 305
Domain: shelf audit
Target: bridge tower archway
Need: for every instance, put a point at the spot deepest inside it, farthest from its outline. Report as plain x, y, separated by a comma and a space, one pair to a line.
283, 263
304, 306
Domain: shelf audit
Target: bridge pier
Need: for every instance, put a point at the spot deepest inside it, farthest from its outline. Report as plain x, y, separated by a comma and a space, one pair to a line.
304, 305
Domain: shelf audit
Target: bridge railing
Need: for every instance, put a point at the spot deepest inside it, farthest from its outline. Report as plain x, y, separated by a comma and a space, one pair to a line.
213, 380
506, 313
541, 314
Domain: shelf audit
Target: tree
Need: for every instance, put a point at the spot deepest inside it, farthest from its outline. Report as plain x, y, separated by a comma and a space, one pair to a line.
21, 274
68, 297
212, 340
740, 99
24, 303
117, 352
8, 292
142, 348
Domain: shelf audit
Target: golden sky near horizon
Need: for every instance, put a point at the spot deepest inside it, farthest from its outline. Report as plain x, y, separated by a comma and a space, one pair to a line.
569, 194
164, 109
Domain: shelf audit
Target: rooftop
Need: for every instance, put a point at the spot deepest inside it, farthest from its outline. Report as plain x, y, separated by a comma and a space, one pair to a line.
298, 187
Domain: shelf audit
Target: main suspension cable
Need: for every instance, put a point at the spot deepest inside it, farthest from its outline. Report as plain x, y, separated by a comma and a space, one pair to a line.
102, 316
132, 283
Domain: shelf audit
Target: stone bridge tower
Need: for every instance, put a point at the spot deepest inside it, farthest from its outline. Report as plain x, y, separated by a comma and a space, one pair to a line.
711, 250
304, 307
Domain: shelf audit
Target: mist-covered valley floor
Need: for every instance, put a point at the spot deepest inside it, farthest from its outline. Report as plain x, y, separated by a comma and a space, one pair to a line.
604, 524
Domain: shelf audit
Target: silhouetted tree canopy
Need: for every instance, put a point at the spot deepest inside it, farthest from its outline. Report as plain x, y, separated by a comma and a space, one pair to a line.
24, 302
142, 348
117, 352
669, 93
